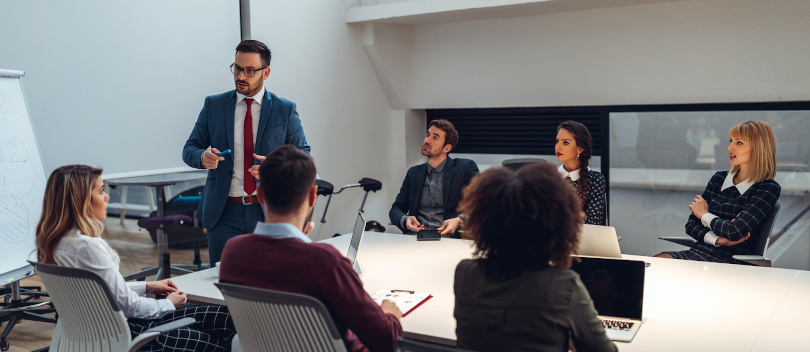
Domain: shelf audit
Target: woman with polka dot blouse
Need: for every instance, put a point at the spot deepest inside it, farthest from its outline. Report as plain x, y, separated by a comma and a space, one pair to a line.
573, 149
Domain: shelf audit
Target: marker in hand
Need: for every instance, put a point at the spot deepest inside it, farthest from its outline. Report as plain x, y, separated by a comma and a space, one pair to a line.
226, 152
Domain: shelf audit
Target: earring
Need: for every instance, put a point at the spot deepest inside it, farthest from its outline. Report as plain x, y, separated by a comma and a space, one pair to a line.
577, 155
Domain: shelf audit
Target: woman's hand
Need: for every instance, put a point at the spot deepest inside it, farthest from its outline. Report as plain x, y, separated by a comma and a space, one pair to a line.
728, 243
177, 298
699, 206
390, 307
162, 287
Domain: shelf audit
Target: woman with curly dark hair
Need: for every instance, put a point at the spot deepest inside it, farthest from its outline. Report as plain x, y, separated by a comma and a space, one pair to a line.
519, 293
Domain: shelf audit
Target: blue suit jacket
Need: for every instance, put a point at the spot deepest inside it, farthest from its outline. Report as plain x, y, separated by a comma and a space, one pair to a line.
278, 125
457, 174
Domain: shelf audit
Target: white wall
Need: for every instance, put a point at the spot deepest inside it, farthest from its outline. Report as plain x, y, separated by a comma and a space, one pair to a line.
319, 63
678, 52
118, 84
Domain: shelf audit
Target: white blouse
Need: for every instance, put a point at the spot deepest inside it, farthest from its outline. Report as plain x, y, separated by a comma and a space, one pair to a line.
77, 250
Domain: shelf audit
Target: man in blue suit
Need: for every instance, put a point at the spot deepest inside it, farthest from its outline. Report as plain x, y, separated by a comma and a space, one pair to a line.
431, 192
250, 122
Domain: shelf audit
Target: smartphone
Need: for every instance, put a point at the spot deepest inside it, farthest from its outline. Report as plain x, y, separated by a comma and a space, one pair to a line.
428, 235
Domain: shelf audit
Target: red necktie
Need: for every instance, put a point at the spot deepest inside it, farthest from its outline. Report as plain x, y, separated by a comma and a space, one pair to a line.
249, 182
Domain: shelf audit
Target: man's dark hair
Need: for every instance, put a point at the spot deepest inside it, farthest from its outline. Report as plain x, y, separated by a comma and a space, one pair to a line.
285, 177
451, 135
521, 220
255, 46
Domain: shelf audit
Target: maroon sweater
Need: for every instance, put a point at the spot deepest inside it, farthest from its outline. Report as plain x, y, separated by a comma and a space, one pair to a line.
317, 270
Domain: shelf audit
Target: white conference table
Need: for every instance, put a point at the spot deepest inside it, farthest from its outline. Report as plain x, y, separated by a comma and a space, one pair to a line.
688, 306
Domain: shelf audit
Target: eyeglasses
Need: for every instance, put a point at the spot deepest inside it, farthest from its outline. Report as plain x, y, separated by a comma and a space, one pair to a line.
249, 72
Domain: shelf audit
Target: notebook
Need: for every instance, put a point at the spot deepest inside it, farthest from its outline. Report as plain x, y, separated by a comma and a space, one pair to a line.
616, 287
599, 241
354, 244
405, 300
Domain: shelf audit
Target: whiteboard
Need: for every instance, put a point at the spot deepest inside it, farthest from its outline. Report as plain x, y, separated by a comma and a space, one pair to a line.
22, 180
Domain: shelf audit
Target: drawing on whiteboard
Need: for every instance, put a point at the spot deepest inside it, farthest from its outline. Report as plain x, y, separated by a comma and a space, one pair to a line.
17, 182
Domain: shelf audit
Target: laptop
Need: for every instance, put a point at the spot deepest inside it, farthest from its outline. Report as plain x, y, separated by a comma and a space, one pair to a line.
354, 244
599, 241
616, 287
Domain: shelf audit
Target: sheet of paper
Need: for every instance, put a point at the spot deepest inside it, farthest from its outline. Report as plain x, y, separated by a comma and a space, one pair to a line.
405, 300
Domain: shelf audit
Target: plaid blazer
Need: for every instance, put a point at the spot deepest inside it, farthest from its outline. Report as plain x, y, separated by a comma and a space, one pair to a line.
737, 214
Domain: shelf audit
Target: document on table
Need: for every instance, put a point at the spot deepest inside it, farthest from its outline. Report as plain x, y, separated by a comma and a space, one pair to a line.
404, 299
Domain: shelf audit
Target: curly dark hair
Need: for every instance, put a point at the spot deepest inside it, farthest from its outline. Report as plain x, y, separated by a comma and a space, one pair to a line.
520, 220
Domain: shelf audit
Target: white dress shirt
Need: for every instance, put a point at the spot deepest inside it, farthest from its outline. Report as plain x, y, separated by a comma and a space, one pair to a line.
77, 250
706, 219
280, 230
237, 179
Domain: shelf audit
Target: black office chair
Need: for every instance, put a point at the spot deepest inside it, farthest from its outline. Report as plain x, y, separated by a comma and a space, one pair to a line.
763, 240
515, 164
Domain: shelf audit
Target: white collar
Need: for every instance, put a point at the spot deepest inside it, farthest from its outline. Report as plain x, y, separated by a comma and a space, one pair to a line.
574, 175
742, 187
280, 230
257, 98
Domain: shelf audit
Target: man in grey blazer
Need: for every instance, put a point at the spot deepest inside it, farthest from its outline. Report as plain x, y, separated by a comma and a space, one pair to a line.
431, 192
250, 122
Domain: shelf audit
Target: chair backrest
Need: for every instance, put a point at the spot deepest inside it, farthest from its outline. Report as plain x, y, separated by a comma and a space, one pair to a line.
515, 164
269, 320
89, 317
408, 345
765, 232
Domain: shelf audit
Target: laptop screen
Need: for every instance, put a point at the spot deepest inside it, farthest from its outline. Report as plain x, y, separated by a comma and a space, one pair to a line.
357, 235
616, 286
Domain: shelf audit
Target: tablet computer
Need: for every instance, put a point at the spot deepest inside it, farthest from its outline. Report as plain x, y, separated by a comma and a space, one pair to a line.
428, 235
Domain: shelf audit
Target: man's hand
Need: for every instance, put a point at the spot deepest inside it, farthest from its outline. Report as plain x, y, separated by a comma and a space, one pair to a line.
177, 298
254, 170
728, 243
210, 159
162, 287
391, 308
449, 226
412, 224
699, 206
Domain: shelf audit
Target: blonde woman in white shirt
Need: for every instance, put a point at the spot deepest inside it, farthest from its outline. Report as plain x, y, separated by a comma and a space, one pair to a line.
69, 234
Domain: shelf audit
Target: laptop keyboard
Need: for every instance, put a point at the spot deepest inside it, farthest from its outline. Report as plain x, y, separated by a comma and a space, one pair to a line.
616, 324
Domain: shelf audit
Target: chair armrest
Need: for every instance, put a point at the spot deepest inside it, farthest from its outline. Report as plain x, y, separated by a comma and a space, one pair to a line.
177, 324
683, 241
235, 345
757, 260
153, 333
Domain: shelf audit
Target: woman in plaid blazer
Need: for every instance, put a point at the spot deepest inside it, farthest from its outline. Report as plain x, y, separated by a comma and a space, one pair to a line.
735, 203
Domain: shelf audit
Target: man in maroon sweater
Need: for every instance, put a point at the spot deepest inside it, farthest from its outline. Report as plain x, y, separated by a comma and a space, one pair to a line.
279, 256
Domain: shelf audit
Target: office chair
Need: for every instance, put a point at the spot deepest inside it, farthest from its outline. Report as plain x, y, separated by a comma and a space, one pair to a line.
515, 164
763, 240
89, 316
269, 320
409, 345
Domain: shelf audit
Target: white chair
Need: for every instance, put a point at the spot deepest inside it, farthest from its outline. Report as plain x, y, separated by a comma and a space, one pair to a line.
89, 317
269, 320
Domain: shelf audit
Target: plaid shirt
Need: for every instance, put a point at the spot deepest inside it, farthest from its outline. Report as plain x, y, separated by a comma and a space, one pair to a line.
737, 214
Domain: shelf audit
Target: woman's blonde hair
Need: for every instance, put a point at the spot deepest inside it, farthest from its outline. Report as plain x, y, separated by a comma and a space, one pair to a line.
67, 205
763, 149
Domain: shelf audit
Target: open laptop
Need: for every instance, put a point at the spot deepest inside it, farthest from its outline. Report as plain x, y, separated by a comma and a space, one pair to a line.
599, 241
354, 244
616, 287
